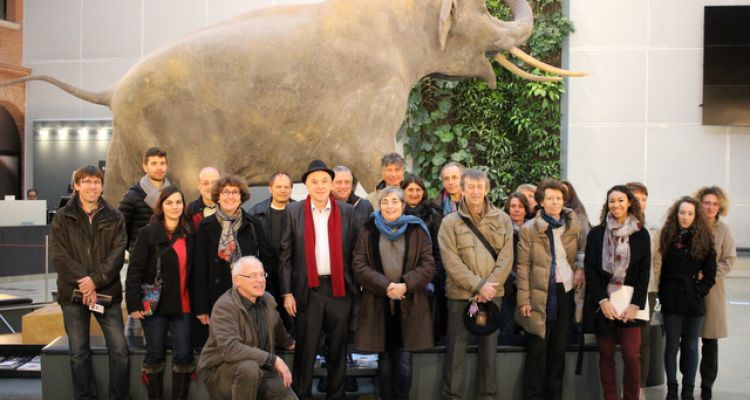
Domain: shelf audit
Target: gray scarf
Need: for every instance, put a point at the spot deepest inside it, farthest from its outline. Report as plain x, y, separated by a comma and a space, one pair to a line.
152, 192
229, 247
616, 249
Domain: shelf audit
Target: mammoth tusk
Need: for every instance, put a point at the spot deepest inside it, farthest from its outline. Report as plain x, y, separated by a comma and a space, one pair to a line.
543, 66
523, 74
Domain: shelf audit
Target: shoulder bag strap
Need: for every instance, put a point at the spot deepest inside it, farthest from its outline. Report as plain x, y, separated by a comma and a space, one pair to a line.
479, 236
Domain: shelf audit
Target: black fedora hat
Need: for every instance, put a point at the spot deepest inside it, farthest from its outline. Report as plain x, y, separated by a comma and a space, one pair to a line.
485, 321
317, 165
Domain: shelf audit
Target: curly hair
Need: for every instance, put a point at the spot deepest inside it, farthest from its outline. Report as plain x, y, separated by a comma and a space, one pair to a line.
634, 209
703, 238
718, 192
234, 181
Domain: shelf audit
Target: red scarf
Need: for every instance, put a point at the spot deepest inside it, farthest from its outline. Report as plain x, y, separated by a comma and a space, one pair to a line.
334, 247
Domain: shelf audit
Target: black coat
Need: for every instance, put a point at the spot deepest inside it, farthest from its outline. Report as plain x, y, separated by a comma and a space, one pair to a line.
597, 278
432, 217
195, 212
81, 249
362, 209
135, 211
292, 263
211, 275
151, 242
680, 290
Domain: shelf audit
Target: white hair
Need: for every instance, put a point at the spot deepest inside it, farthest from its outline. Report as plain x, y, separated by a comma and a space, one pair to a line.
241, 262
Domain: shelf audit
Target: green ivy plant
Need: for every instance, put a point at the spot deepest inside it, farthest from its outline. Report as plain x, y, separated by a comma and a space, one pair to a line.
512, 132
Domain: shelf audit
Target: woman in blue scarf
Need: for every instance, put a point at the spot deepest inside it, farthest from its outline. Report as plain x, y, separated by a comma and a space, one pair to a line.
393, 263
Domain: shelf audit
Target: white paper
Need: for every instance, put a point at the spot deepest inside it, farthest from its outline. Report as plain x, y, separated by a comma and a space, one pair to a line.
621, 298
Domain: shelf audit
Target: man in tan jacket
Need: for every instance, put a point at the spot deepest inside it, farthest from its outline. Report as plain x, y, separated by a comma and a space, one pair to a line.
473, 274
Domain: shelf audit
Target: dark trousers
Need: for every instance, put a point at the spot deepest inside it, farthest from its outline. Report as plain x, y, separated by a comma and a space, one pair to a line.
709, 362
682, 332
453, 365
394, 374
544, 368
630, 347
77, 319
646, 340
327, 314
245, 380
155, 331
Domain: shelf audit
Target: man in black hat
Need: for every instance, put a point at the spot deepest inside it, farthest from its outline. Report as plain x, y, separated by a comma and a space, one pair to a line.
315, 278
476, 245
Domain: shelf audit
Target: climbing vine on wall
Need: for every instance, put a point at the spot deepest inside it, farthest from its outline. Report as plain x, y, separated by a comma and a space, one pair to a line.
512, 132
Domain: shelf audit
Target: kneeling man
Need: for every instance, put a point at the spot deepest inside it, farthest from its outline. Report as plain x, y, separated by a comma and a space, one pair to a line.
238, 360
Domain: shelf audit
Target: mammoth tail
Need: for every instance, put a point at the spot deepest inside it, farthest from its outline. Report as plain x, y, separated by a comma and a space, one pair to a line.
104, 97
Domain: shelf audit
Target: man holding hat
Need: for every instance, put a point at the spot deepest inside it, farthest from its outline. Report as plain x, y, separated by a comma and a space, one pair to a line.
476, 245
315, 278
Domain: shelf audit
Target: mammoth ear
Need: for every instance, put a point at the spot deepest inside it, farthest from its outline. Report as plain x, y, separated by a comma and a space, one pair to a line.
447, 8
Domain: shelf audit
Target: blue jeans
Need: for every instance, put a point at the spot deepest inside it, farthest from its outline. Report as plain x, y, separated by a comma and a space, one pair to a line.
155, 330
683, 332
77, 319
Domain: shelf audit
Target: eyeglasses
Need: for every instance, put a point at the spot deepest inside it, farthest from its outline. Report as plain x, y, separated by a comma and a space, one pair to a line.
255, 276
231, 193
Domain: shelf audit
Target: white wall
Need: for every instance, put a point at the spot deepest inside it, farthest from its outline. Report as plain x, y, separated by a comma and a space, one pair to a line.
637, 115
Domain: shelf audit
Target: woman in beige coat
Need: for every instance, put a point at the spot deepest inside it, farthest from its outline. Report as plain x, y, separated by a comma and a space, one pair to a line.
546, 276
715, 203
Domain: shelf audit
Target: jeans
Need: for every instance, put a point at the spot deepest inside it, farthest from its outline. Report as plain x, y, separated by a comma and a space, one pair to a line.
77, 319
394, 374
155, 330
682, 333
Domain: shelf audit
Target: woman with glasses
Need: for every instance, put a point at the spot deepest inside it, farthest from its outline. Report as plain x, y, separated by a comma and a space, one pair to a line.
163, 251
715, 204
221, 239
393, 263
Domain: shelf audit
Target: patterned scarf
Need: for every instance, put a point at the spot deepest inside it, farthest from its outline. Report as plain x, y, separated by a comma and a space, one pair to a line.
616, 249
449, 206
335, 248
229, 246
395, 229
152, 192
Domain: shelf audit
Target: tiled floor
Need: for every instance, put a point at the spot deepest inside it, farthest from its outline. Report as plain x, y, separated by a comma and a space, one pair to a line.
734, 375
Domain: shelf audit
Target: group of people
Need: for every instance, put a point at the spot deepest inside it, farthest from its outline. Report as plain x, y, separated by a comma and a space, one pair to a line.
391, 274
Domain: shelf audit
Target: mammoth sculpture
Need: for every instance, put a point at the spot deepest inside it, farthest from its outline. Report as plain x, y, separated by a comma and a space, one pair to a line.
276, 87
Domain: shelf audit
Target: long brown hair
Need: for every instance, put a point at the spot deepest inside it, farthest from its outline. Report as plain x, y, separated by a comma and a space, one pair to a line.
634, 209
703, 238
183, 225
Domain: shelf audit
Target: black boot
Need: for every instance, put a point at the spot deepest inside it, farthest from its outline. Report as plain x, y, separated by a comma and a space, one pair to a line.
181, 377
687, 393
672, 391
152, 375
706, 393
